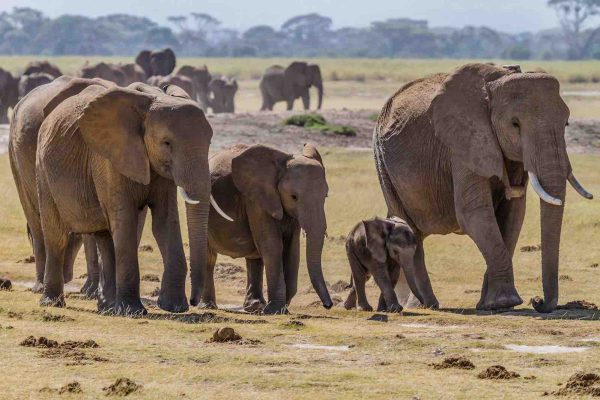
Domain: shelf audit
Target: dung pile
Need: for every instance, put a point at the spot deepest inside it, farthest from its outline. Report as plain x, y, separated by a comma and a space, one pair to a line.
497, 372
459, 362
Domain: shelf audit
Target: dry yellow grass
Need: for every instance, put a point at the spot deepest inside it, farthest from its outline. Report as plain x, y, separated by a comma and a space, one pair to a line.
170, 357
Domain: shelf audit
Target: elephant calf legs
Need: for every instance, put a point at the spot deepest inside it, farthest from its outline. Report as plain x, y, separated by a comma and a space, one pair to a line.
254, 301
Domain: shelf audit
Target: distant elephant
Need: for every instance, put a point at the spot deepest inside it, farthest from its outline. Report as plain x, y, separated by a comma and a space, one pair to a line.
200, 79
102, 70
181, 81
42, 67
125, 169
143, 60
132, 73
454, 153
271, 195
29, 82
288, 84
223, 93
9, 94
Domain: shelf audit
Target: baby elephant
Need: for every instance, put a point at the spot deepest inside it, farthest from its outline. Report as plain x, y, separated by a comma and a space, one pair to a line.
380, 247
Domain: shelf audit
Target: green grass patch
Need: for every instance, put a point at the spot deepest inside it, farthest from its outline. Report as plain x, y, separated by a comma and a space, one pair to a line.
318, 123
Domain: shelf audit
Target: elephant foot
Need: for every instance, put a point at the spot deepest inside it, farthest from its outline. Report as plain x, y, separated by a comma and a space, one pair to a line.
129, 308
366, 307
273, 308
207, 304
499, 295
172, 303
254, 306
432, 304
90, 289
394, 308
38, 287
52, 300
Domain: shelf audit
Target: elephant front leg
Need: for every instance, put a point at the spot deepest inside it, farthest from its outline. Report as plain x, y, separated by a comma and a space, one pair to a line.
394, 274
254, 301
90, 287
475, 214
167, 232
384, 282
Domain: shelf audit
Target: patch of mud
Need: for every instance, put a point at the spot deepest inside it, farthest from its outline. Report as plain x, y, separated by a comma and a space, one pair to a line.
531, 248
497, 372
581, 384
27, 260
578, 305
150, 278
72, 387
228, 271
47, 317
5, 284
146, 248
459, 362
229, 335
548, 349
308, 346
122, 387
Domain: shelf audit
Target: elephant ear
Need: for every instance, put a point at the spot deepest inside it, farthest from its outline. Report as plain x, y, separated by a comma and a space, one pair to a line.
376, 234
143, 60
111, 124
175, 91
461, 118
256, 173
171, 59
310, 151
73, 86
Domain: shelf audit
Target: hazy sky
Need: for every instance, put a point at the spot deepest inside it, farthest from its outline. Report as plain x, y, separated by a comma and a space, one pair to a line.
505, 15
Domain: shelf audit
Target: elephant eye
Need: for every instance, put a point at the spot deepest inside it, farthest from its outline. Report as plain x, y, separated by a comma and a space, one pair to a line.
294, 197
167, 143
515, 123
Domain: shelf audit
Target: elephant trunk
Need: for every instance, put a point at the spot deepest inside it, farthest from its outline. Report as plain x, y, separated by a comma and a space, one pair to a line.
319, 87
315, 227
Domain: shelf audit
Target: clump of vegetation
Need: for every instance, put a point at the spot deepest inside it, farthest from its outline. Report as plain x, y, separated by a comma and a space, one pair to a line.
318, 123
374, 117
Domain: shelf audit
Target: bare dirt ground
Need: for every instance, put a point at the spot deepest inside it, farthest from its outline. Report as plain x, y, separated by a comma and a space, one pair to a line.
582, 135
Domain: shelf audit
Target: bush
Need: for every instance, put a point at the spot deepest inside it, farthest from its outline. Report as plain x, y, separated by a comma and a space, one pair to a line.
316, 122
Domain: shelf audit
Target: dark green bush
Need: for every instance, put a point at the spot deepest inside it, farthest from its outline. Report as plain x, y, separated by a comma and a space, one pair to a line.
316, 122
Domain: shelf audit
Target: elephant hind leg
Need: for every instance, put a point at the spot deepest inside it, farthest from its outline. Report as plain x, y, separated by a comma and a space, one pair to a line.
39, 252
90, 287
73, 246
255, 300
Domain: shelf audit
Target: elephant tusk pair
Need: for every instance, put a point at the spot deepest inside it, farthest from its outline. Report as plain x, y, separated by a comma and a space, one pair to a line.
213, 202
578, 188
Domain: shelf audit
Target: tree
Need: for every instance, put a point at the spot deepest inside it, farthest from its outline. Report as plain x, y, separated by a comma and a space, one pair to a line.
307, 29
573, 15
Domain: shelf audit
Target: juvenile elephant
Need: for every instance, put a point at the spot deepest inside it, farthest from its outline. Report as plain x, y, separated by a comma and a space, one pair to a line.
223, 95
130, 147
454, 153
29, 82
288, 84
380, 248
200, 78
271, 195
9, 93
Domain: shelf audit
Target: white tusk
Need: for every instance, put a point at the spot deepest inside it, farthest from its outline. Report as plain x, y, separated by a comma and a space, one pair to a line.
218, 209
577, 186
537, 186
185, 196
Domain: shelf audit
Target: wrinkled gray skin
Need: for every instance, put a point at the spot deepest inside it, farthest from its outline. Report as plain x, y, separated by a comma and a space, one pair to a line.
453, 153
288, 84
29, 82
200, 78
223, 92
169, 147
269, 208
178, 80
9, 94
380, 248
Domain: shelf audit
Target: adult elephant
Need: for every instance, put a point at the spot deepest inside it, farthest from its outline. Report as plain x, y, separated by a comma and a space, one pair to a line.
288, 84
9, 94
132, 73
269, 209
29, 82
223, 92
200, 78
158, 62
102, 70
42, 67
454, 153
125, 168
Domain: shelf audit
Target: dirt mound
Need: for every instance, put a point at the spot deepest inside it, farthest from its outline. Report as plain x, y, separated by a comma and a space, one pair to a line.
459, 362
578, 305
581, 383
531, 249
5, 284
340, 286
75, 344
73, 356
227, 270
73, 387
146, 248
122, 387
497, 372
228, 335
150, 278
27, 260
47, 317
42, 341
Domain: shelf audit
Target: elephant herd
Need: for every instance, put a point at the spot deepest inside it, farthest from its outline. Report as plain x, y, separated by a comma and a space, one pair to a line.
157, 68
453, 153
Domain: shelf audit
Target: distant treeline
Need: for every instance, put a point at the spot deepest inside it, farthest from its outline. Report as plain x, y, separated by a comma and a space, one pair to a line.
27, 31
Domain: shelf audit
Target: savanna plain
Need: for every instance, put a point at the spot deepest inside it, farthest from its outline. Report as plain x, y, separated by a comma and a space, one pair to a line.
312, 352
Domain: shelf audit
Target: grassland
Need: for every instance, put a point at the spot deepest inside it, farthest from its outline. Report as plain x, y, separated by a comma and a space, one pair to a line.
169, 355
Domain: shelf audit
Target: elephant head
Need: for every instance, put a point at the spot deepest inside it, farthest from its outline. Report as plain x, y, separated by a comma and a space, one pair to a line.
390, 237
290, 185
223, 94
488, 114
9, 93
105, 71
300, 76
162, 62
29, 82
42, 67
143, 60
200, 78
